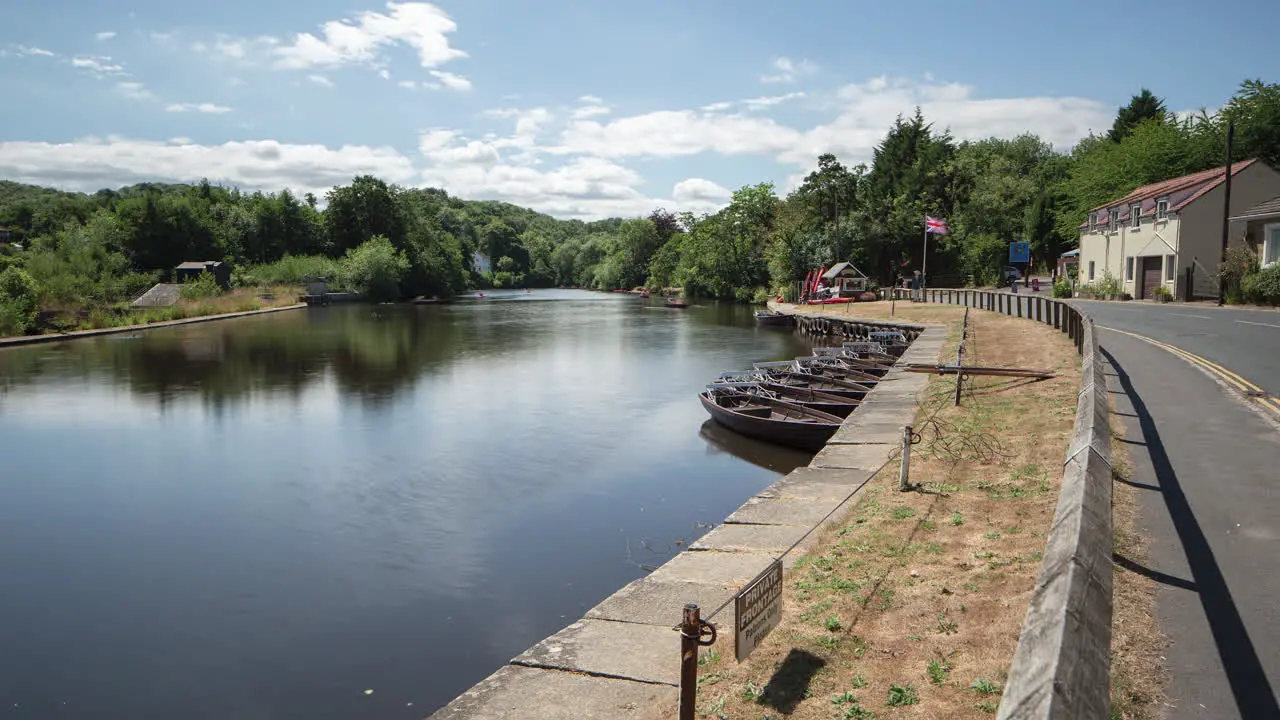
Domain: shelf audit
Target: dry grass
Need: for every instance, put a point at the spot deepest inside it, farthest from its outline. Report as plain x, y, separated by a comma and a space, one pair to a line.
233, 301
1138, 674
912, 604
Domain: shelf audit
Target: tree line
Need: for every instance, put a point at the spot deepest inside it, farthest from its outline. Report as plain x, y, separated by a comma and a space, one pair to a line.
104, 247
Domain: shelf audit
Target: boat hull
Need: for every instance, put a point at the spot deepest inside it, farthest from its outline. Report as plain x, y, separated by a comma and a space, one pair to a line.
774, 319
807, 436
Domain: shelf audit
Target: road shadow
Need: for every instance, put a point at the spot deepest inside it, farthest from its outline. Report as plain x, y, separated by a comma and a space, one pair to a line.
1249, 683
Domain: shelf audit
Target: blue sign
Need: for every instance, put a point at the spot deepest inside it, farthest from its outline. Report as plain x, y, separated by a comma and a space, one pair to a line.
1020, 252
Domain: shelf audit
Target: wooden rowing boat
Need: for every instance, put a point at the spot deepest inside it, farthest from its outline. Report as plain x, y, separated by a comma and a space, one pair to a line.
837, 405
769, 318
771, 420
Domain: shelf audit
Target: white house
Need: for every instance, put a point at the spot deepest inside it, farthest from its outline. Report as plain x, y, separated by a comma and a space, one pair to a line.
1151, 236
1259, 228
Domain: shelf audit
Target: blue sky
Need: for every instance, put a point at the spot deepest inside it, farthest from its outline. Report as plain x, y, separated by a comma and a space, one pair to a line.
579, 109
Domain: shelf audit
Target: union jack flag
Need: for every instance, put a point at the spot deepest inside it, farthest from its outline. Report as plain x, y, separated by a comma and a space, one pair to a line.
937, 226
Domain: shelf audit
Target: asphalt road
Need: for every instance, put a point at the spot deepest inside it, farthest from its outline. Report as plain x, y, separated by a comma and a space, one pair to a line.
1246, 342
1204, 464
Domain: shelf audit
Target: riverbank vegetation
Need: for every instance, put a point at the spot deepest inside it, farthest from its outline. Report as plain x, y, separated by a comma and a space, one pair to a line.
81, 252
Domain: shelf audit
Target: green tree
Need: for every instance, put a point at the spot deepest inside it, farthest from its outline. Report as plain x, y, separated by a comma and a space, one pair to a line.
1142, 107
375, 268
18, 301
362, 210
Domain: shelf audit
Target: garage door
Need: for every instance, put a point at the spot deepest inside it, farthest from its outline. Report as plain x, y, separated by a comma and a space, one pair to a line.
1151, 274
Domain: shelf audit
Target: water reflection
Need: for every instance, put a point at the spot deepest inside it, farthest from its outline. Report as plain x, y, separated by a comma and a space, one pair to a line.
763, 455
263, 517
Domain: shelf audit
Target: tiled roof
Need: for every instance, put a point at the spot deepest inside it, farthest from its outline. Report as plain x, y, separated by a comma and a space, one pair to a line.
1182, 191
1266, 207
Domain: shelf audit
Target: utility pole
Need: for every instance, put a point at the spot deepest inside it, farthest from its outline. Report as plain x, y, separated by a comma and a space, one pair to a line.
1226, 217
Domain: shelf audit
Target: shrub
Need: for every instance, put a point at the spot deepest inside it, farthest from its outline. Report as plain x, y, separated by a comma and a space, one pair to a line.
291, 270
1104, 286
204, 286
1262, 287
1062, 287
18, 307
1160, 292
375, 268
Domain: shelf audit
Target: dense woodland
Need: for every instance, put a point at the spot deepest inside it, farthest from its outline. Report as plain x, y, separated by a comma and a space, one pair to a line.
82, 251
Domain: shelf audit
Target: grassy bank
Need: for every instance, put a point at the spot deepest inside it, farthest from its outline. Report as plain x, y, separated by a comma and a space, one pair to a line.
911, 606
122, 315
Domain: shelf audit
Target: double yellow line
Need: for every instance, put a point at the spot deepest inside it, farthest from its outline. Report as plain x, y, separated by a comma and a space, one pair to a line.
1213, 368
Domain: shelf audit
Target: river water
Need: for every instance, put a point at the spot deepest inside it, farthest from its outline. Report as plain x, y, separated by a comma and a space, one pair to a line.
268, 517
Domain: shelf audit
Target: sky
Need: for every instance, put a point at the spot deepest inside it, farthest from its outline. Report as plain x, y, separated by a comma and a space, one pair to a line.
577, 109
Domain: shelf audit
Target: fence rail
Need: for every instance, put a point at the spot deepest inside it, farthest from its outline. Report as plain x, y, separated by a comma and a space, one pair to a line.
1062, 666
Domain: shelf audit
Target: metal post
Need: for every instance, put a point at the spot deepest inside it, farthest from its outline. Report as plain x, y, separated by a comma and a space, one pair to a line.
690, 629
1226, 214
1186, 290
905, 472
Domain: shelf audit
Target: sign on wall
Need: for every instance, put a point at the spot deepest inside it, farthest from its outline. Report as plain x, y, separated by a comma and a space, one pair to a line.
1019, 252
758, 609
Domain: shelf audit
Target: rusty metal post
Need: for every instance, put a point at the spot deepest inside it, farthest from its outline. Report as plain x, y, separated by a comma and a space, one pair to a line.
690, 630
904, 474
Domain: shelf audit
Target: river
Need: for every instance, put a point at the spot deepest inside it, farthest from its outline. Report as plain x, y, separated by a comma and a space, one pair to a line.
269, 517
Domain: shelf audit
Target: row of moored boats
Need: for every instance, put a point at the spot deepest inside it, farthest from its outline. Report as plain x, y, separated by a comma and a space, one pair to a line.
800, 403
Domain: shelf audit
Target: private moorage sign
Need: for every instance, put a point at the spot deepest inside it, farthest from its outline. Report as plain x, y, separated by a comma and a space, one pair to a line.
758, 608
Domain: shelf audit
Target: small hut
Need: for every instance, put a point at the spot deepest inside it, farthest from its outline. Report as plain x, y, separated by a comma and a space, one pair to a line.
845, 280
190, 270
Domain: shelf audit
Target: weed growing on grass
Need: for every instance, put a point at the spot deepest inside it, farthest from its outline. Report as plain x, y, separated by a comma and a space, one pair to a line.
860, 647
901, 695
752, 692
832, 624
886, 598
709, 679
715, 709
928, 525
844, 697
859, 681
711, 658
985, 687
828, 642
957, 519
947, 626
937, 671
987, 555
986, 706
903, 513
971, 587
993, 535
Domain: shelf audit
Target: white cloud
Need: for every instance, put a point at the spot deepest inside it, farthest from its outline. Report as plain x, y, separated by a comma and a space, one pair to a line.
89, 165
438, 146
672, 133
100, 65
717, 107
135, 90
408, 84
105, 35
591, 100
451, 81
163, 38
25, 50
320, 80
384, 74
763, 102
198, 107
868, 109
788, 70
699, 189
181, 140
421, 26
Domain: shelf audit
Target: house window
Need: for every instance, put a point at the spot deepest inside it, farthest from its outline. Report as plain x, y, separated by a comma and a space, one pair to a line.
1170, 267
1135, 216
1270, 244
1114, 221
1090, 270
1162, 208
1093, 221
1128, 268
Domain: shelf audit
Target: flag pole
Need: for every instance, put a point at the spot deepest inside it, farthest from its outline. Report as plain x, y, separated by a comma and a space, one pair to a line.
924, 256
